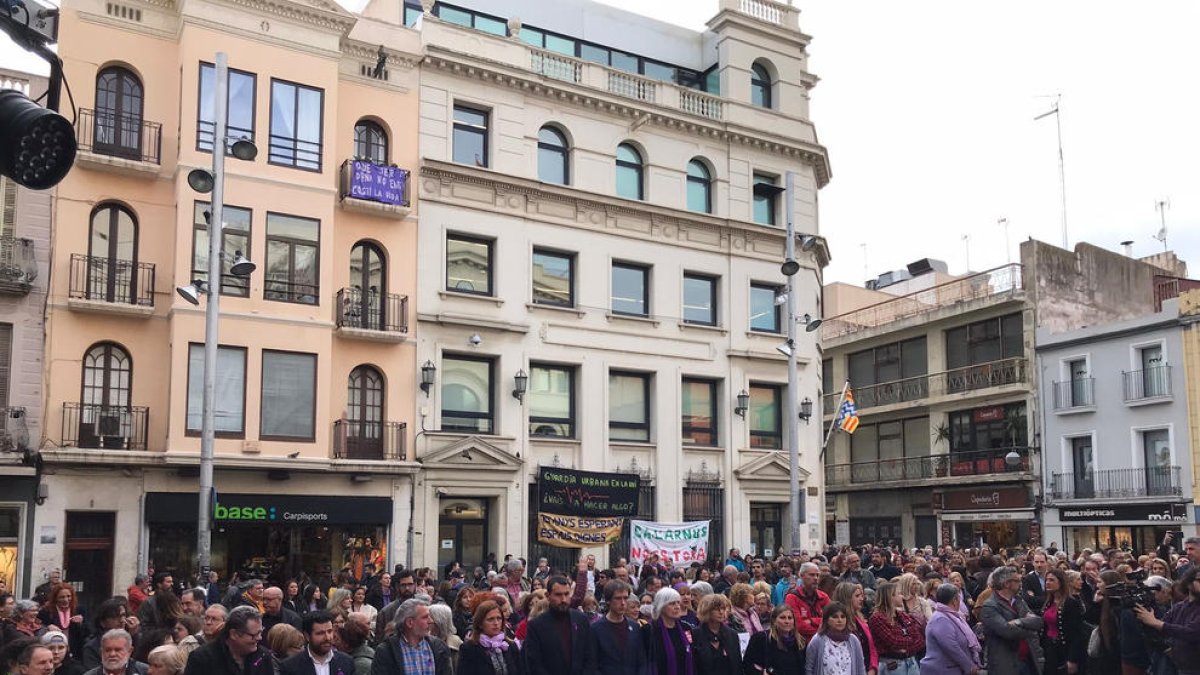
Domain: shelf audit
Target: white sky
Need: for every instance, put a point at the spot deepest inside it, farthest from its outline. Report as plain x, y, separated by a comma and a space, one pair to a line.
927, 110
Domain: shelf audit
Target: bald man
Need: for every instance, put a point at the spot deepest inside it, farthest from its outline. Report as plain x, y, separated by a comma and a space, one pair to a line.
274, 612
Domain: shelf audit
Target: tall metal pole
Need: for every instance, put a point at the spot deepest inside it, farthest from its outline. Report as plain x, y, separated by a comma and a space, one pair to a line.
793, 388
211, 312
1062, 172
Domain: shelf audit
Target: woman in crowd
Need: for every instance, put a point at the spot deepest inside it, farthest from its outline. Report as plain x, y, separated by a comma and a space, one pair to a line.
24, 622
488, 651
56, 642
463, 617
1063, 641
951, 647
60, 611
1105, 613
913, 593
834, 650
716, 645
291, 596
779, 649
670, 644
340, 600
965, 601
762, 606
352, 640
312, 599
166, 660
854, 598
741, 598
899, 636
1159, 567
442, 627
188, 633
358, 603
284, 640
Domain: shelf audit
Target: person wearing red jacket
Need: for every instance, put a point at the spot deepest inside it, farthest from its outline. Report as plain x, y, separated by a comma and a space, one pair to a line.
807, 601
137, 592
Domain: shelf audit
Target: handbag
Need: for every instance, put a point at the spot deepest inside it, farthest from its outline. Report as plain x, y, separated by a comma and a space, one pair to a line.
1095, 643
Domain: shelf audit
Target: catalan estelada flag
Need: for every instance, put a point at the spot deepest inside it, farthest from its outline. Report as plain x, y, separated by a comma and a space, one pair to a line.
848, 415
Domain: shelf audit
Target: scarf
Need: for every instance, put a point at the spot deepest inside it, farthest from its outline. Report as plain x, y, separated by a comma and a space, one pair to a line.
669, 649
839, 635
962, 627
494, 644
789, 639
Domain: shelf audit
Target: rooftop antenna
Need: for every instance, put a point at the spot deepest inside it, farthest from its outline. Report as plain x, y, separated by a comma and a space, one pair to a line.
966, 239
1062, 176
1161, 206
1003, 222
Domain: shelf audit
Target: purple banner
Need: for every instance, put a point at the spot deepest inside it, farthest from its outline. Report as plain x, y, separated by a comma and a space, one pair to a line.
378, 183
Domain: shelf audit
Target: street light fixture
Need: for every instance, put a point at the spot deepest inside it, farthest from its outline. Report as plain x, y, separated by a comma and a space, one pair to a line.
520, 385
743, 404
192, 291
806, 409
428, 376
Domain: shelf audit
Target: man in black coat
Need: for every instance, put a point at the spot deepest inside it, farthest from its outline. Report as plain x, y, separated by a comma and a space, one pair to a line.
1033, 585
275, 613
405, 586
620, 649
237, 650
412, 642
318, 631
559, 641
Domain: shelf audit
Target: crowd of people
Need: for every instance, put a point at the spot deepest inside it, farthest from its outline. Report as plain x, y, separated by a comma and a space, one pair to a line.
846, 611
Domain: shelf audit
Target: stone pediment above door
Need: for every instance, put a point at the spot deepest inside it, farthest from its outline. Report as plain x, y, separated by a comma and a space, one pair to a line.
473, 454
771, 466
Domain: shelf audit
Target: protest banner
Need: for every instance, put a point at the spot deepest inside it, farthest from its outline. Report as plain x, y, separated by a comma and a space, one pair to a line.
569, 492
681, 542
577, 531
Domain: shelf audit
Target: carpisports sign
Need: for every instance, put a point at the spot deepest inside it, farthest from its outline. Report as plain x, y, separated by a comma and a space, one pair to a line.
681, 542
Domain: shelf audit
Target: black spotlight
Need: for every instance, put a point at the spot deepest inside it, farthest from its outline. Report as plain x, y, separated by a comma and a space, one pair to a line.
37, 146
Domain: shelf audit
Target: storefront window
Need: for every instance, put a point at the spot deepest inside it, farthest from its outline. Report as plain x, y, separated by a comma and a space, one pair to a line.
995, 533
10, 533
1137, 539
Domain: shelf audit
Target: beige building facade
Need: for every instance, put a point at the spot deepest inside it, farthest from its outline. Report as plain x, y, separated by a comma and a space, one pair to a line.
315, 383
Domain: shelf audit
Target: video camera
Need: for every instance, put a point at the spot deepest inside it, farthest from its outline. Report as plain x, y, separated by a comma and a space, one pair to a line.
1131, 593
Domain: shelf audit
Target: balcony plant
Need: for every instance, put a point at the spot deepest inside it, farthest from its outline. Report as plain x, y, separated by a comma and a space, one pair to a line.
941, 436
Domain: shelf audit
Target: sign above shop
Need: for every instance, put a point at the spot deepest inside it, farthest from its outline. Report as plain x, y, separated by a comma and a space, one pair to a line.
587, 493
993, 413
1163, 513
982, 499
296, 510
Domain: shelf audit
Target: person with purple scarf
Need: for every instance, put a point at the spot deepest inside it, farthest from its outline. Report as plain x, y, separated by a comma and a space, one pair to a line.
834, 650
489, 651
951, 647
669, 640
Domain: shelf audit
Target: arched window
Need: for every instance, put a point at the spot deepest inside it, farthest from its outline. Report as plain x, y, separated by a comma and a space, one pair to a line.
106, 380
760, 86
112, 269
364, 414
552, 157
699, 187
629, 172
370, 142
365, 300
118, 125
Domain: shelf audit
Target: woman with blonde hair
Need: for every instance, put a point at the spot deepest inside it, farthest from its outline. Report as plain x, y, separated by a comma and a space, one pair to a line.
166, 660
899, 636
741, 599
442, 627
778, 649
913, 594
284, 640
340, 600
718, 651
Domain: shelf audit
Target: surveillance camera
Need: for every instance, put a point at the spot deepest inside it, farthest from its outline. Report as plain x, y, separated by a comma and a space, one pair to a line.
475, 340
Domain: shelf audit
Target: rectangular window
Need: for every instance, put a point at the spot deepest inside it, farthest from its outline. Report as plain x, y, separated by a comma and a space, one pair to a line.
628, 406
766, 193
765, 315
559, 44
468, 264
1156, 453
293, 259
470, 136
553, 278
532, 37
699, 299
985, 341
1083, 466
1154, 380
229, 410
412, 12
766, 416
551, 397
468, 395
239, 119
630, 289
699, 404
658, 71
297, 115
289, 396
235, 239
593, 53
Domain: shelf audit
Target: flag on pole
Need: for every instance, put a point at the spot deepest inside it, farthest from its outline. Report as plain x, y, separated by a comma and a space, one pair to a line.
848, 414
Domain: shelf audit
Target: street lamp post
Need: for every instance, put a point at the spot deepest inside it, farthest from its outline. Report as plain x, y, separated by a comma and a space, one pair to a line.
793, 414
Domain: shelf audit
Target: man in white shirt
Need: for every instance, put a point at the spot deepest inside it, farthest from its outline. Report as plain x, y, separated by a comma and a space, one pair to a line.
319, 657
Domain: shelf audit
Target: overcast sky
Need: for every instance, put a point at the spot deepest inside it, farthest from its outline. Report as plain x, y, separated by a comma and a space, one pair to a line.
927, 109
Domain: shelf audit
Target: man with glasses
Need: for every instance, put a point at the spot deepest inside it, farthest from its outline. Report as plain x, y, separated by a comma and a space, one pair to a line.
406, 587
237, 649
214, 622
1013, 646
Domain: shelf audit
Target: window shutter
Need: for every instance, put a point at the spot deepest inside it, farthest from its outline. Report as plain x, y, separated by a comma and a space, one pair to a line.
5, 361
8, 207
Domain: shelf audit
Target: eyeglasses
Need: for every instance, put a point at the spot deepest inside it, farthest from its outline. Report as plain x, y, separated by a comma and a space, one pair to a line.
251, 635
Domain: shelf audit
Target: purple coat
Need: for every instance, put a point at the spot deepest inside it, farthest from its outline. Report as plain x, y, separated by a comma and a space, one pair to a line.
947, 651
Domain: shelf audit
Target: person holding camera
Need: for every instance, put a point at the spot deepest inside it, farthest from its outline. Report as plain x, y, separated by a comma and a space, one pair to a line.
1139, 644
1181, 625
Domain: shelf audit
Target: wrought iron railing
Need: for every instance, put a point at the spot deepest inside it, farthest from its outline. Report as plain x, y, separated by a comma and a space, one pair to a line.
1077, 393
88, 425
17, 264
1155, 481
206, 130
998, 282
954, 465
355, 439
371, 310
107, 132
287, 290
14, 434
121, 282
968, 378
292, 151
1152, 382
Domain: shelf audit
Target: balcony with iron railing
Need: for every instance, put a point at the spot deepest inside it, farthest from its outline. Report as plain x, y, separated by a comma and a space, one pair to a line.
14, 431
985, 288
1157, 481
119, 142
106, 285
370, 187
369, 315
18, 268
1075, 395
958, 381
1006, 463
109, 427
354, 439
1148, 385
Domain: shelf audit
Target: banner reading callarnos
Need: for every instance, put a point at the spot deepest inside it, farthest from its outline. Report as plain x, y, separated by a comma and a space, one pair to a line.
681, 542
